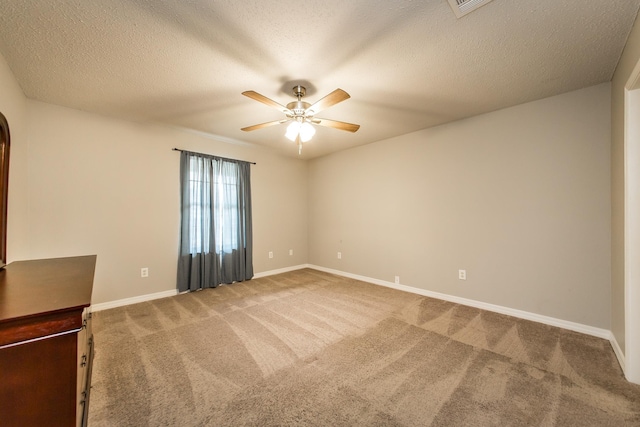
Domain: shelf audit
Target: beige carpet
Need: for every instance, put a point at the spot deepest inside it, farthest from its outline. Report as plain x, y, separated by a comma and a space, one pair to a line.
307, 348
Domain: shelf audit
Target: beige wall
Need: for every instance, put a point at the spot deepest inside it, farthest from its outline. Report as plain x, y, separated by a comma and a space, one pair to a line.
520, 198
109, 187
628, 61
13, 106
86, 184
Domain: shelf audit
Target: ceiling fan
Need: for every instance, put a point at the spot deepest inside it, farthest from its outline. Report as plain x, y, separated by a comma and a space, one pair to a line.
302, 114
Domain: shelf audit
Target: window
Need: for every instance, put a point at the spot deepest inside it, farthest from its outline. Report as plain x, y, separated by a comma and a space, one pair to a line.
215, 239
225, 191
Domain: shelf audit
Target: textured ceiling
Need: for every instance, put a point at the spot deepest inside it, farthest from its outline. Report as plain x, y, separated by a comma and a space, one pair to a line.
407, 65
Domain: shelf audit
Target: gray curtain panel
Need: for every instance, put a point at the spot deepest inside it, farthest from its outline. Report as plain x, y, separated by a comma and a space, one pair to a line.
216, 235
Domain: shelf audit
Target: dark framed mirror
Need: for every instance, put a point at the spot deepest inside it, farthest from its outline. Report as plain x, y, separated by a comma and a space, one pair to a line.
4, 186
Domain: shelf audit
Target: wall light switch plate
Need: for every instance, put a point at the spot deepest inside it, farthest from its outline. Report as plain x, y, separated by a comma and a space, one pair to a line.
270, 254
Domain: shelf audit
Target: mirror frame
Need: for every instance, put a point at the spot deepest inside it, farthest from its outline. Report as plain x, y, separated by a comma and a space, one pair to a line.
5, 145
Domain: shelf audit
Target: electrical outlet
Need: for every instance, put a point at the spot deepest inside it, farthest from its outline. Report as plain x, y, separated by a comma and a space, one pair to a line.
270, 254
397, 280
339, 255
144, 272
462, 274
290, 251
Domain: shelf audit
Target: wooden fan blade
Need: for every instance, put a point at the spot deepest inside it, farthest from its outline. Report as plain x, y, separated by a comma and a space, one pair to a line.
264, 125
270, 102
333, 98
349, 127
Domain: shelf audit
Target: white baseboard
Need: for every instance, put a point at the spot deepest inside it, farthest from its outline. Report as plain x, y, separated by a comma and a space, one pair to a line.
280, 270
618, 351
170, 293
552, 321
133, 300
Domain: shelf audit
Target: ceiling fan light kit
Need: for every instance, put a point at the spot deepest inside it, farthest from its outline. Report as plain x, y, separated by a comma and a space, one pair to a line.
304, 130
301, 115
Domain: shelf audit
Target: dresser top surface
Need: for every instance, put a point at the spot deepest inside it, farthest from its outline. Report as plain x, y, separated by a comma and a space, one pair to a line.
28, 288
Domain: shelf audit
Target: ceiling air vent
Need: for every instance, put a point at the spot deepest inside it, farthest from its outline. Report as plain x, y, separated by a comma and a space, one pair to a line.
462, 7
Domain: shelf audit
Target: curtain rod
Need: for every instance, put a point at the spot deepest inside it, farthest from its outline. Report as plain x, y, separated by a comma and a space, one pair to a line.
213, 155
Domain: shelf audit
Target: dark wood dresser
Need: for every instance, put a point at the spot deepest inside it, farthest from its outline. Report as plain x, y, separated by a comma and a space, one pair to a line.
46, 345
